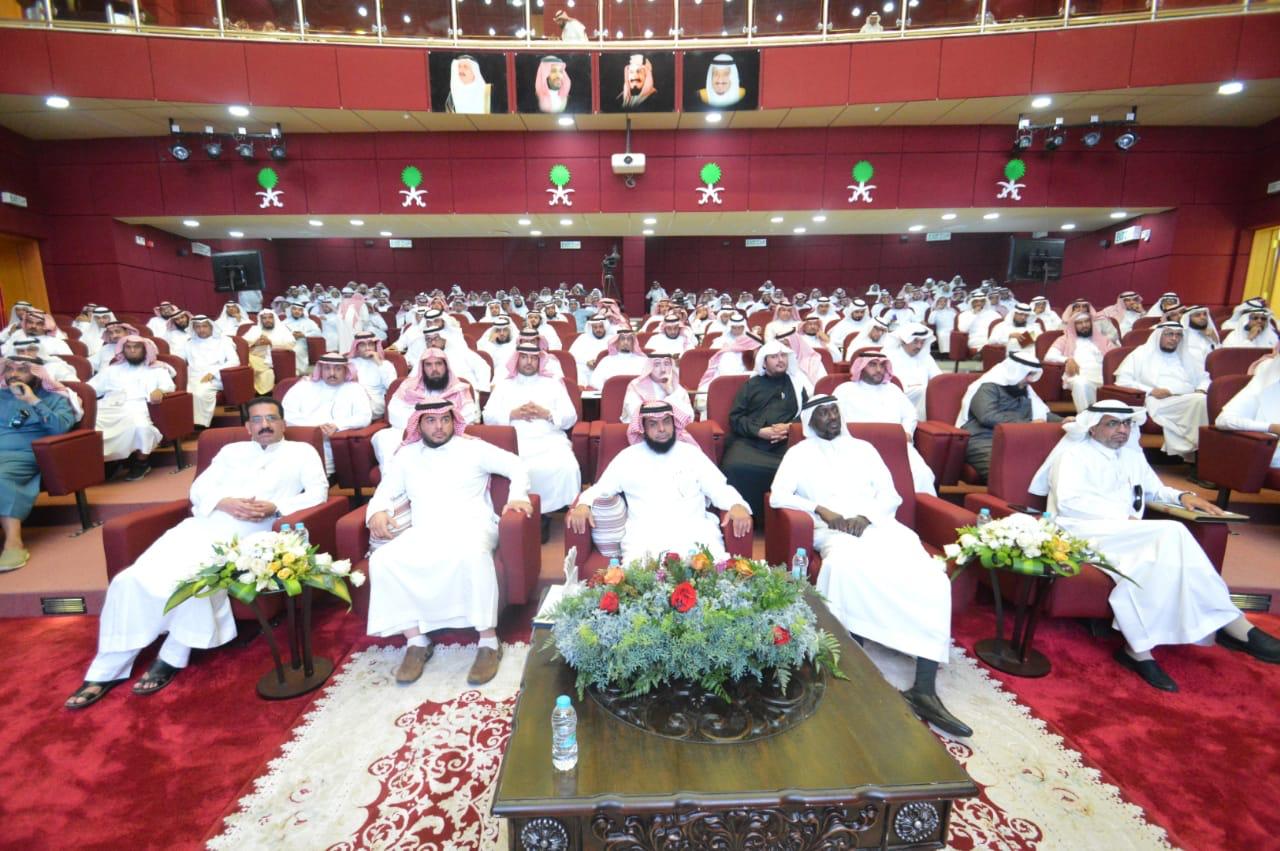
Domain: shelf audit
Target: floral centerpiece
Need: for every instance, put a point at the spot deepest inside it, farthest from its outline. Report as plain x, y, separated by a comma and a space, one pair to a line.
659, 622
1035, 546
266, 562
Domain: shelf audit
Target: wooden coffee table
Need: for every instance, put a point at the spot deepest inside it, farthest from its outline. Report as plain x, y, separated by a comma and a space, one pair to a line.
862, 772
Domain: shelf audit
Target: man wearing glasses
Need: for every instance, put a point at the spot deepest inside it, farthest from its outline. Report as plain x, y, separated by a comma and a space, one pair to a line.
247, 486
1098, 483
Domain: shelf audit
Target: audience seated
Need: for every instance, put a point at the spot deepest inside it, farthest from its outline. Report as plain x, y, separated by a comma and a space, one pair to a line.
331, 400
1002, 394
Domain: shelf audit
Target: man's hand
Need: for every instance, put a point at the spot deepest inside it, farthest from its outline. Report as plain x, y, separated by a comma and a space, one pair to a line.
328, 429
380, 525
262, 508
1159, 393
1274, 428
1192, 502
240, 509
298, 335
22, 392
579, 518
592, 363
774, 433
536, 412
738, 518
206, 378
1070, 368
522, 505
851, 525
156, 395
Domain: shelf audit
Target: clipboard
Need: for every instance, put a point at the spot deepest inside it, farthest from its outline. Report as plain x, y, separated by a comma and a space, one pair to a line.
1196, 516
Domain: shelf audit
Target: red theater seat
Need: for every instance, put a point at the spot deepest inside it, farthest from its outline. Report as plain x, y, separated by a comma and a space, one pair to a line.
941, 443
934, 520
1233, 361
517, 559
174, 414
1234, 460
72, 461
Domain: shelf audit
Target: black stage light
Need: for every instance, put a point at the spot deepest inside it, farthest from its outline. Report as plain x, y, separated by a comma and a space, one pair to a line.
1091, 137
180, 152
213, 148
1055, 139
1023, 142
276, 150
1126, 140
245, 149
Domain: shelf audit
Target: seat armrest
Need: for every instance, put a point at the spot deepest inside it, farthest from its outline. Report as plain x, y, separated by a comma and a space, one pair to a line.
937, 520
942, 446
125, 538
580, 438
1238, 460
174, 415
786, 530
351, 535
520, 548
1131, 396
581, 540
237, 384
70, 461
320, 521
998, 507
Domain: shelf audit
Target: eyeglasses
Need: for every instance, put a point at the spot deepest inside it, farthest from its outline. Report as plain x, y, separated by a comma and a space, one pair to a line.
269, 418
1137, 499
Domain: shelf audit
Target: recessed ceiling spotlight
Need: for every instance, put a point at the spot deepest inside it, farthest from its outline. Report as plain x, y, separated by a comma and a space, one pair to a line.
535, 233
357, 222
647, 231
191, 223
948, 217
798, 230
315, 223
1041, 102
384, 233
916, 228
56, 102
524, 223
566, 222
1068, 226
235, 234
819, 218
777, 220
239, 111
565, 121
1234, 87
1120, 214
650, 220
713, 117
991, 216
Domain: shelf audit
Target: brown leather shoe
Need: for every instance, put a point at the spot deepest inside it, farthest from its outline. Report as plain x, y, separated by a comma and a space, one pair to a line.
485, 667
415, 659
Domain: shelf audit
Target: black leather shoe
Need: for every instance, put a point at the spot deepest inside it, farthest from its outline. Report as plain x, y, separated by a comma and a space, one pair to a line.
930, 708
1148, 669
1260, 645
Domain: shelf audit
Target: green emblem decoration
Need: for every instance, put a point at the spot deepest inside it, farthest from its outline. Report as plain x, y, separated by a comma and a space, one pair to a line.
860, 190
411, 177
1014, 170
268, 180
560, 177
710, 174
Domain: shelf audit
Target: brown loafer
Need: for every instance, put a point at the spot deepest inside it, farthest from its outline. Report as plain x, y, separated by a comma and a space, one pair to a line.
415, 659
485, 667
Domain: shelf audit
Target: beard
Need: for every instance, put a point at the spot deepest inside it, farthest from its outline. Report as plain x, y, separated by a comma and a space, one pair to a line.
436, 384
436, 444
1087, 332
661, 447
135, 361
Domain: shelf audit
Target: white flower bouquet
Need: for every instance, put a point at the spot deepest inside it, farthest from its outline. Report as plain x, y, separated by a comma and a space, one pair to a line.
1035, 546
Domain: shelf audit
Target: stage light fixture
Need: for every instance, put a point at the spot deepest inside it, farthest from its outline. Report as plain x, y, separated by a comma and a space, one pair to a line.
1091, 137
1056, 136
212, 145
277, 150
1126, 140
180, 152
245, 149
1022, 142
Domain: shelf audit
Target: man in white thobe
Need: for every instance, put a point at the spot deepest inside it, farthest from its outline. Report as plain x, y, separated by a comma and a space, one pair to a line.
331, 400
1081, 351
1126, 311
622, 356
855, 321
1175, 384
431, 378
439, 572
1254, 331
248, 485
870, 396
876, 576
374, 373
1016, 331
1257, 406
1166, 302
36, 327
56, 368
208, 353
913, 365
124, 388
159, 323
177, 333
1098, 484
500, 345
587, 348
230, 319
301, 326
977, 322
262, 338
673, 338
535, 402
1201, 335
667, 482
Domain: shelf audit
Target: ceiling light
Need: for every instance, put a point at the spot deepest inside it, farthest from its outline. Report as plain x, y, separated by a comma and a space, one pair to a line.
524, 223
535, 233
315, 223
1056, 137
362, 11
798, 230
191, 223
212, 145
1234, 87
916, 228
1041, 102
819, 218
777, 220
1091, 137
357, 222
1022, 142
245, 149
1119, 214
239, 111
647, 231
566, 222
565, 121
180, 152
59, 102
648, 33
713, 117
991, 216
650, 221
948, 217
1068, 226
1126, 140
235, 234
888, 7
384, 233
276, 150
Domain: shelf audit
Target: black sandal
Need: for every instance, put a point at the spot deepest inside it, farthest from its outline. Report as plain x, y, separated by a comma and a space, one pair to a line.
103, 687
159, 675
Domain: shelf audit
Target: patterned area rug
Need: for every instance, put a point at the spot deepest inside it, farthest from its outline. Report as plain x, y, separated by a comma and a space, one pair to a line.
376, 765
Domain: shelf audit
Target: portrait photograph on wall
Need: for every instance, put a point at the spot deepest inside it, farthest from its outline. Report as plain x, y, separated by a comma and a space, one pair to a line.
637, 82
717, 81
553, 83
468, 83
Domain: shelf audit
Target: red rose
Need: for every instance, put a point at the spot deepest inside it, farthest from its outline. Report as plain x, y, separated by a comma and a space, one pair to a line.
609, 601
684, 597
671, 557
781, 636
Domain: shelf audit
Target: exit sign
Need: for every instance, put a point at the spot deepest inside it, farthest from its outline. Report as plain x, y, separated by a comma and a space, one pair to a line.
570, 244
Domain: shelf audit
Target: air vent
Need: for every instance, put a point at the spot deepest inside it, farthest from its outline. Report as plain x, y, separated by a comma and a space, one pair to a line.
1252, 602
62, 605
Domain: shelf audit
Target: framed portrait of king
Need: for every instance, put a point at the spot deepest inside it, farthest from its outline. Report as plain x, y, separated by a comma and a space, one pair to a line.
721, 81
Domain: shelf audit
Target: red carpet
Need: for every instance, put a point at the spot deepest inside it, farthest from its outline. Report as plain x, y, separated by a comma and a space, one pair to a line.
1202, 762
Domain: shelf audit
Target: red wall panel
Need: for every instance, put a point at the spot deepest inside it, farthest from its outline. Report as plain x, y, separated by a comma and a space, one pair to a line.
1172, 52
974, 67
937, 180
24, 62
199, 70
293, 75
1258, 57
825, 71
101, 67
888, 73
383, 78
1080, 60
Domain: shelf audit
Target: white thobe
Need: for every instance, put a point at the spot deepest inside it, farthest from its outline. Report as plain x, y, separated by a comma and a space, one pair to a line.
230, 325
845, 329
1049, 320
208, 356
1180, 415
49, 346
776, 327
915, 372
377, 325
943, 321
330, 330
375, 377
178, 341
544, 446
586, 348
633, 400
661, 344
123, 418
546, 332
286, 473
158, 325
1176, 596
881, 585
315, 403
501, 354
619, 364
979, 327
861, 402
1085, 383
1255, 408
439, 573
1199, 343
667, 495
1237, 339
308, 328
60, 371
470, 367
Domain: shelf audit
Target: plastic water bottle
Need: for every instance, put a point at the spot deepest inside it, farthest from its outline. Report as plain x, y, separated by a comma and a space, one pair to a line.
613, 562
284, 528
984, 517
1046, 516
564, 734
302, 533
800, 565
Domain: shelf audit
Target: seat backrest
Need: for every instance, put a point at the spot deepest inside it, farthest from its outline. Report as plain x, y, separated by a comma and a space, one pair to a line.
242, 349
65, 326
77, 347
282, 387
88, 401
397, 360
612, 397
503, 437
1233, 361
1222, 390
1045, 342
1111, 362
720, 395
179, 366
243, 327
613, 439
693, 364
891, 444
1145, 323
829, 383
162, 345
570, 368
992, 354
315, 348
760, 317
212, 440
945, 393
391, 390
1017, 451
1136, 337
709, 339
82, 366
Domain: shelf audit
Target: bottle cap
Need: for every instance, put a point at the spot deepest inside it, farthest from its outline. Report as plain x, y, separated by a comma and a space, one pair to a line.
986, 511
801, 551
563, 702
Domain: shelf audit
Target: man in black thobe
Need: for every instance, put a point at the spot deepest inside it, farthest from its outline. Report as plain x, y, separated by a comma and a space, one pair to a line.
1002, 395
